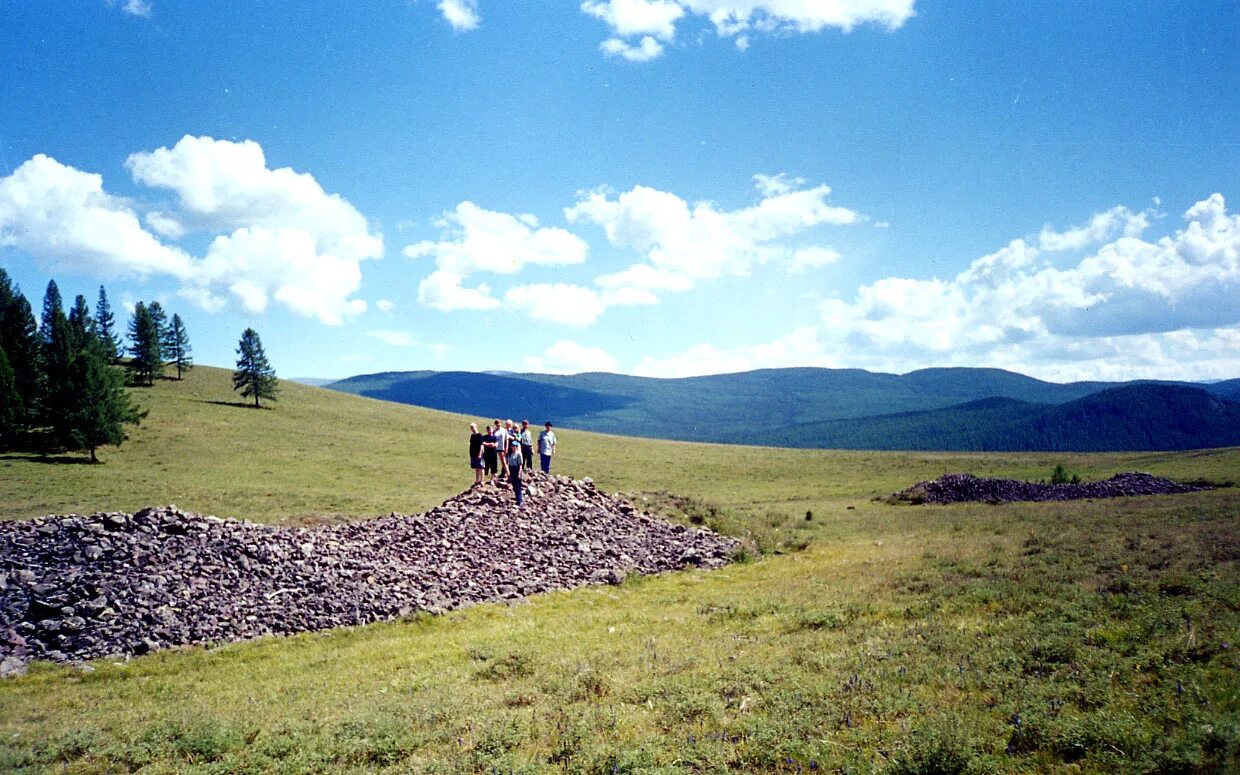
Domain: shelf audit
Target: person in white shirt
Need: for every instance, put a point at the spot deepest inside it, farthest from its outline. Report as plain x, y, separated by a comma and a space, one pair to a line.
546, 448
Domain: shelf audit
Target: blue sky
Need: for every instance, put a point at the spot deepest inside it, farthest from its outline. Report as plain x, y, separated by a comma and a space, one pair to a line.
658, 187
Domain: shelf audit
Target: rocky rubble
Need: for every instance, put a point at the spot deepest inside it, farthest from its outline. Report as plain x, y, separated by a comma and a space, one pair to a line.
956, 488
76, 587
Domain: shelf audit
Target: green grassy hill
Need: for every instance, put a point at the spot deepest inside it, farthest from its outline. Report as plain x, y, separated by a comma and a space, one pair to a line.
871, 637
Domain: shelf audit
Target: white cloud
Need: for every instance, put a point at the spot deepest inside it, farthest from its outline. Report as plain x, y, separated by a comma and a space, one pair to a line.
647, 49
682, 244
568, 357
443, 291
812, 257
385, 305
799, 348
637, 17
480, 240
393, 338
571, 305
1120, 311
1103, 226
461, 14
738, 19
279, 236
62, 214
224, 185
140, 8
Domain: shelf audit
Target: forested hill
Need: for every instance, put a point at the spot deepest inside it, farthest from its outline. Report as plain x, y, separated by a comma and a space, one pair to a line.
1131, 417
785, 407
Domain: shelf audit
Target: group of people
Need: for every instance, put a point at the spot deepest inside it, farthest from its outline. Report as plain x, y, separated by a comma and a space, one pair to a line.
505, 450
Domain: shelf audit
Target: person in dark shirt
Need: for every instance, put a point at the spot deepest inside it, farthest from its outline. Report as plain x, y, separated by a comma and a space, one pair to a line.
490, 455
475, 452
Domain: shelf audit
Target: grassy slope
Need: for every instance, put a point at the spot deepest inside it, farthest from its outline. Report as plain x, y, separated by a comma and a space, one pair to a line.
901, 633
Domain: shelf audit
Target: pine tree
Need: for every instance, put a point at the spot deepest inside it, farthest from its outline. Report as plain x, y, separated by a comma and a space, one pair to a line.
176, 346
19, 338
146, 359
254, 375
161, 320
100, 407
53, 306
57, 351
11, 409
81, 324
105, 327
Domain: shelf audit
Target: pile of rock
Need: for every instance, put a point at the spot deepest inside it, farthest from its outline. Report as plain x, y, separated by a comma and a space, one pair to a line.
957, 488
76, 587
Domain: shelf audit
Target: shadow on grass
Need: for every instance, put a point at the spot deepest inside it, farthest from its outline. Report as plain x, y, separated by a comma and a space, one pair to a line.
58, 459
234, 404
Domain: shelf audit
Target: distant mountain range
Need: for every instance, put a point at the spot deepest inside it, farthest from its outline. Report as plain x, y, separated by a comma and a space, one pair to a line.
947, 409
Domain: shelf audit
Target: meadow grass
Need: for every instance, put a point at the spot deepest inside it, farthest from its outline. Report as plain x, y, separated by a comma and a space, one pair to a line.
872, 637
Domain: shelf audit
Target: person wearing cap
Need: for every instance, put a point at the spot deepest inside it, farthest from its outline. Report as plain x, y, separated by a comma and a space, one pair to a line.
527, 446
514, 467
546, 447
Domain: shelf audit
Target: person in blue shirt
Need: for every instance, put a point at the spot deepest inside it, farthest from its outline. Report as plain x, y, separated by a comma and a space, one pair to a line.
514, 468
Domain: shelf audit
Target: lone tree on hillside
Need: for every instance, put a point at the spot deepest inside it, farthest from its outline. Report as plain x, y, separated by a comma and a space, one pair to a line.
254, 375
146, 361
176, 346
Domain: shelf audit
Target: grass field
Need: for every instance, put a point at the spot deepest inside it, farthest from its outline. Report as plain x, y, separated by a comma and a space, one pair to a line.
870, 637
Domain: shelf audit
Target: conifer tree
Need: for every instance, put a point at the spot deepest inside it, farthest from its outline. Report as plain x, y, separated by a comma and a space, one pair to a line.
20, 341
56, 353
176, 346
254, 375
53, 306
146, 360
161, 320
105, 327
81, 324
11, 409
100, 407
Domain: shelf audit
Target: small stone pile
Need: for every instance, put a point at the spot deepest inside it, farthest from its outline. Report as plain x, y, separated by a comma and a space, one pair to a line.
77, 587
957, 488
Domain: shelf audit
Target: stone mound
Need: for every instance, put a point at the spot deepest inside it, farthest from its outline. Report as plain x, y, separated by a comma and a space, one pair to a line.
77, 587
958, 488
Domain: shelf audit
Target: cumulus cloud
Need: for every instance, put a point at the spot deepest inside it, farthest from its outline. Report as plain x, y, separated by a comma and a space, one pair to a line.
682, 244
647, 49
278, 235
812, 258
461, 14
571, 305
637, 17
62, 214
479, 240
385, 305
568, 357
737, 19
444, 291
1124, 306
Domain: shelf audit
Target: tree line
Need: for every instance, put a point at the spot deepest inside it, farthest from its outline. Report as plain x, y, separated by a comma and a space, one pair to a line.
61, 383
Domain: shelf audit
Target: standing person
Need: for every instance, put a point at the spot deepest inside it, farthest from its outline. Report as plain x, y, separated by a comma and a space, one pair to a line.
501, 446
514, 467
527, 446
546, 447
475, 452
490, 453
